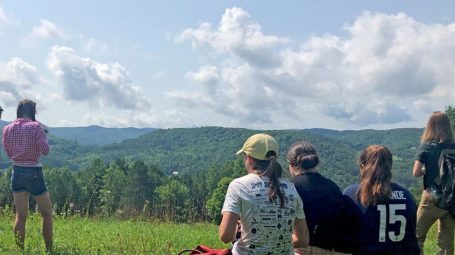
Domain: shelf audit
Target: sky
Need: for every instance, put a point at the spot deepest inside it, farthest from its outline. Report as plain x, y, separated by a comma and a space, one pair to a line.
253, 63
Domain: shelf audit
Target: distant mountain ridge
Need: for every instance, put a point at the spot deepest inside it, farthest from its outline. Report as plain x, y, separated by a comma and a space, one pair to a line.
194, 150
94, 135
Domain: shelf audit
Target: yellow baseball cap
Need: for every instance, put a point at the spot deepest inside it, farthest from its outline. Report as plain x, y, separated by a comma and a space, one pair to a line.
258, 145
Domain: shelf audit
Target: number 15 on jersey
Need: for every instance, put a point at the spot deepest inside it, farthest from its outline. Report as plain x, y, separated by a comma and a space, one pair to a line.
393, 218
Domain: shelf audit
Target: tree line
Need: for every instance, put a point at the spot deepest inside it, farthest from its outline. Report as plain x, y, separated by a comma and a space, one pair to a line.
113, 181
130, 189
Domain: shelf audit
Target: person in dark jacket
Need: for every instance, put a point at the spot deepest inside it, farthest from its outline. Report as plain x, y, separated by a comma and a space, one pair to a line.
331, 217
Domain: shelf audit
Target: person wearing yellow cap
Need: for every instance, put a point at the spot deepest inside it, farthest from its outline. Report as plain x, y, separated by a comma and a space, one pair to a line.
268, 207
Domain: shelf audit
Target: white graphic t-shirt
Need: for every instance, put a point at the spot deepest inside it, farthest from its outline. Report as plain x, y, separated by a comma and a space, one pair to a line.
265, 227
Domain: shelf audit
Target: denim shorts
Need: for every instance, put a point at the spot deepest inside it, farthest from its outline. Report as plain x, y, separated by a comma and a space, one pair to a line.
29, 179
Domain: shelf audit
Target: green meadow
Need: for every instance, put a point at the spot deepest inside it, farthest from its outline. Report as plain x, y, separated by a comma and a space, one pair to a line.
77, 236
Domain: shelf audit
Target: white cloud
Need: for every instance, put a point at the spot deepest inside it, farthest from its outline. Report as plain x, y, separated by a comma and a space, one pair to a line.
95, 46
45, 30
17, 79
237, 34
3, 18
378, 74
207, 76
100, 84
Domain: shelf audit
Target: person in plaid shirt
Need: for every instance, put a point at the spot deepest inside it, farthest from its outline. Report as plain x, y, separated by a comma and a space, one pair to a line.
25, 141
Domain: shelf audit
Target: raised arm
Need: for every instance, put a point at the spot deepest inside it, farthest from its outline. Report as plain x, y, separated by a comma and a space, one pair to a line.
41, 141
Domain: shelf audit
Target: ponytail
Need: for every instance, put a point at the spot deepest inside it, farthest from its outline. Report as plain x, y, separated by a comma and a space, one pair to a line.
375, 175
274, 171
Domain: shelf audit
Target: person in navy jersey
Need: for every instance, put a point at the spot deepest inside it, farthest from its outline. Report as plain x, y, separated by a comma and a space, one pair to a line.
388, 223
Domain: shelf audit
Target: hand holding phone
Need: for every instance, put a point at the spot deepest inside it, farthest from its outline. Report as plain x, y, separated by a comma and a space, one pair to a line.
46, 128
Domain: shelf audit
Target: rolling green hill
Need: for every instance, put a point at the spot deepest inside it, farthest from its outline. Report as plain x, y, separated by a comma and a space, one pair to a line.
402, 142
194, 150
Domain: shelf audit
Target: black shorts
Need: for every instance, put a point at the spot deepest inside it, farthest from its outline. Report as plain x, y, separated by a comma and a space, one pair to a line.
29, 179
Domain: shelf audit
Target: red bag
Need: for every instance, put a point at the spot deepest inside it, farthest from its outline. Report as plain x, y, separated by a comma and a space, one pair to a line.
205, 250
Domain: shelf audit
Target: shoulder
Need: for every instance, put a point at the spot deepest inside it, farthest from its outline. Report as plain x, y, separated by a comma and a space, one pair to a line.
329, 181
240, 180
428, 146
351, 190
286, 183
34, 124
245, 180
397, 187
9, 126
405, 194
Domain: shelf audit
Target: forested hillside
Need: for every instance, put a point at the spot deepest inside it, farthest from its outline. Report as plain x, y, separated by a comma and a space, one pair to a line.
402, 142
136, 176
190, 150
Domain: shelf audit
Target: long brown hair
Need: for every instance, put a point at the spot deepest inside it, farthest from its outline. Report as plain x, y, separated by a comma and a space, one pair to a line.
303, 156
272, 169
375, 164
438, 129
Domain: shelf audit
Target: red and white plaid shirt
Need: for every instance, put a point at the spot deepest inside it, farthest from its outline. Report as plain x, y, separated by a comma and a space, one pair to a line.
25, 141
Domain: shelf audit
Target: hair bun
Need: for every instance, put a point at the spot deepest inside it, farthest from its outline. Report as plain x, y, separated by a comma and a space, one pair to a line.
308, 161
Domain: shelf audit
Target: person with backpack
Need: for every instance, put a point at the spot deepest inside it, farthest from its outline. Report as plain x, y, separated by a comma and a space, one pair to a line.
268, 207
25, 141
388, 221
436, 139
331, 217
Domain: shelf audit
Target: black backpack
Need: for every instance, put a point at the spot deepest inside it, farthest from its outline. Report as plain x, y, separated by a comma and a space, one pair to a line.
444, 191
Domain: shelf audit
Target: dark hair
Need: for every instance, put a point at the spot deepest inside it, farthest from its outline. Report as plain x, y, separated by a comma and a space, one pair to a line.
438, 129
375, 164
303, 155
27, 108
272, 169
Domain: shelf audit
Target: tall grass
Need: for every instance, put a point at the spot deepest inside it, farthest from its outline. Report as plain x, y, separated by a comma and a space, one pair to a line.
86, 236
107, 236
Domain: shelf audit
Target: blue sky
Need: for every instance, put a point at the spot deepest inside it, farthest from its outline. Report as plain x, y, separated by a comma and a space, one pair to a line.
254, 64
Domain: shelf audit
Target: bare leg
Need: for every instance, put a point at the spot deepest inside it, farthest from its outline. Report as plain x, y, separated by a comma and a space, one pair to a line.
45, 208
21, 203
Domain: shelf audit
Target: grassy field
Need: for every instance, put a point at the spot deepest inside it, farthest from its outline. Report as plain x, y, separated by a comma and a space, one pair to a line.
106, 236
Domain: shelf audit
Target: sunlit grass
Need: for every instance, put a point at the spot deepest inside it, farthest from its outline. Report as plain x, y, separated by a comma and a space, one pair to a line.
75, 235
106, 236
